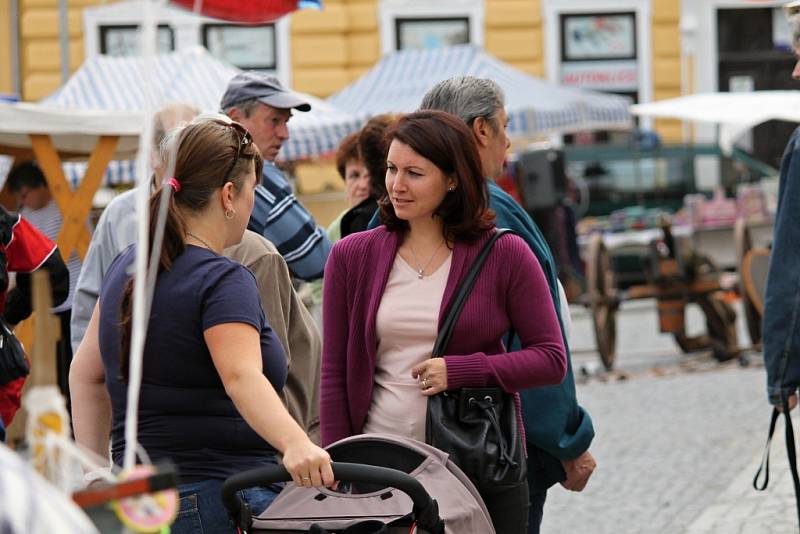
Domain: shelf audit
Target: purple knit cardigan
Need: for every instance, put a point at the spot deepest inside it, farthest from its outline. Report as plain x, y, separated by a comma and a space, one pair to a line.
511, 290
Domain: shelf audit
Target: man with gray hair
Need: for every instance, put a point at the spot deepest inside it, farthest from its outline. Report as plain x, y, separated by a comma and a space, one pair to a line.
558, 430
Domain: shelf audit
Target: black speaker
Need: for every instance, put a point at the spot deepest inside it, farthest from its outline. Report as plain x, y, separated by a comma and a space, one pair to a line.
542, 181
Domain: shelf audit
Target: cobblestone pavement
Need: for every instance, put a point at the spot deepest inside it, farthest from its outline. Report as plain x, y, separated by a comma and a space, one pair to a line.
678, 441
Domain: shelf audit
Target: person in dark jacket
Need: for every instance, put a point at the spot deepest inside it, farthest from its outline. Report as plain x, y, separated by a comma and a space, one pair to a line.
781, 326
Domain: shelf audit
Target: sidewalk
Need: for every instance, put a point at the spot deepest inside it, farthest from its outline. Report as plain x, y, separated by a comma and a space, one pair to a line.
678, 441
742, 510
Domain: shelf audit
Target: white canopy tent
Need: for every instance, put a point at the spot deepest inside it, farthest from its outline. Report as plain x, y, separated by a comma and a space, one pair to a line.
535, 107
114, 84
74, 133
733, 113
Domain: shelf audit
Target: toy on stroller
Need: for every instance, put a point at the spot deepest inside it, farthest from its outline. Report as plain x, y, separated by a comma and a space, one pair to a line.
434, 496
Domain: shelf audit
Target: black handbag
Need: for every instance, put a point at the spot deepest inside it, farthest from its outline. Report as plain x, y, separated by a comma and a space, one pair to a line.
476, 427
13, 364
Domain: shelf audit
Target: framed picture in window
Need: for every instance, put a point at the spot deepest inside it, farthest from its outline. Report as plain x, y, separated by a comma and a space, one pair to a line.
598, 36
246, 47
425, 33
123, 40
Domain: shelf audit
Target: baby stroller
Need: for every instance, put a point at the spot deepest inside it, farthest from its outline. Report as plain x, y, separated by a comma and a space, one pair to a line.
434, 497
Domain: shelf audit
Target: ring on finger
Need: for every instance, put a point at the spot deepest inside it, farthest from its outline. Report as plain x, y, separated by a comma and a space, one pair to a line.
305, 477
425, 382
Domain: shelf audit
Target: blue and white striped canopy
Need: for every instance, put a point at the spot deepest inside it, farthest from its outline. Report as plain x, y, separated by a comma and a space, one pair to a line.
535, 107
193, 77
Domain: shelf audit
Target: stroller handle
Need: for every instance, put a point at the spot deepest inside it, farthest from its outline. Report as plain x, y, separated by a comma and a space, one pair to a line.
426, 511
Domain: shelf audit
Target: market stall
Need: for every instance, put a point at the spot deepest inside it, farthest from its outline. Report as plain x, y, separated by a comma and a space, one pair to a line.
535, 107
193, 77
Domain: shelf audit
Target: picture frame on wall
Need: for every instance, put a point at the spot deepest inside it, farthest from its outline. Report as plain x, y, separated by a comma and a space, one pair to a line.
433, 32
598, 36
122, 40
246, 47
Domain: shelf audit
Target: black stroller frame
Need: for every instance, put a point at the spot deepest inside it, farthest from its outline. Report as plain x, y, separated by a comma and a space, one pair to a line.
425, 511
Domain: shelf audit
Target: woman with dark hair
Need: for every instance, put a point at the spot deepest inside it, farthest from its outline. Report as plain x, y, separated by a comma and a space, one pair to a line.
386, 289
372, 145
356, 181
212, 366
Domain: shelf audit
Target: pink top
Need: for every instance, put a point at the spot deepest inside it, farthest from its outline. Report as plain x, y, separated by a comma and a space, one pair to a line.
510, 292
406, 325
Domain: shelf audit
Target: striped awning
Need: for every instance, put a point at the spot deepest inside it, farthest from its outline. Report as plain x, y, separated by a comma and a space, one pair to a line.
535, 107
193, 77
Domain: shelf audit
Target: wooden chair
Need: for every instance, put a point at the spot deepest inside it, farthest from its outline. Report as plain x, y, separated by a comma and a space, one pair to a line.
754, 276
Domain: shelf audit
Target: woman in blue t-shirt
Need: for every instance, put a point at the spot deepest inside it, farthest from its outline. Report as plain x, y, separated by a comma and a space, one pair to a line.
212, 366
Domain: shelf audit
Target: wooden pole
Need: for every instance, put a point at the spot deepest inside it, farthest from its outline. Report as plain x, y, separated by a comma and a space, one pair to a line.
42, 352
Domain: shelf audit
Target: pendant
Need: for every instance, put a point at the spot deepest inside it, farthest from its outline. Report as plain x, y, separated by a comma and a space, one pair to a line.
419, 274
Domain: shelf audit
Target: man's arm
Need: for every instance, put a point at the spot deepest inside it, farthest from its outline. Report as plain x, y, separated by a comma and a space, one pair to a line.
781, 328
554, 422
292, 324
283, 220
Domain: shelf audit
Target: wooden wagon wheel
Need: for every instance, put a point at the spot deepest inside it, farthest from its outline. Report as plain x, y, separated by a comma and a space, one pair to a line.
752, 316
721, 326
602, 289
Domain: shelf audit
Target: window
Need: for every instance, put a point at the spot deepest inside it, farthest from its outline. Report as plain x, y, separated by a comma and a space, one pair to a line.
598, 51
123, 40
112, 29
247, 47
421, 33
422, 24
598, 36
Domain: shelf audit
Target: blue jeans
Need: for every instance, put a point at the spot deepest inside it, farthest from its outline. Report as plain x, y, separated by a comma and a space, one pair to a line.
536, 510
201, 509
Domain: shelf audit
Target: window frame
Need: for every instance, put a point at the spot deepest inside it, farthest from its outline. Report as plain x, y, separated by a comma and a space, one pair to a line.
186, 27
392, 11
104, 30
204, 34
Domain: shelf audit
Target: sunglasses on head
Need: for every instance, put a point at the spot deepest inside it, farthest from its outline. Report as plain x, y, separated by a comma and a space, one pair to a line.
243, 137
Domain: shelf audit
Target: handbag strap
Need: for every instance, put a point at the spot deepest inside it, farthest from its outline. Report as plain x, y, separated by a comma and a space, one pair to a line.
790, 450
446, 331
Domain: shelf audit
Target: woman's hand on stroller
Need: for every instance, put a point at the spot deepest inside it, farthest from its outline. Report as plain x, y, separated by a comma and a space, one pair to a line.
309, 465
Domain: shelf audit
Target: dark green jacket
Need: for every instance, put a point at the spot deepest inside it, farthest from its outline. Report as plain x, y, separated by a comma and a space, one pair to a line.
553, 419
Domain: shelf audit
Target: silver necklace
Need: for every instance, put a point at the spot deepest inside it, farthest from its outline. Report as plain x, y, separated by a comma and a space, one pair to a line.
421, 270
209, 247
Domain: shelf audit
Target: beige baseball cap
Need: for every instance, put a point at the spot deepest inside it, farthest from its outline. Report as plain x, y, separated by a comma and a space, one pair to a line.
792, 8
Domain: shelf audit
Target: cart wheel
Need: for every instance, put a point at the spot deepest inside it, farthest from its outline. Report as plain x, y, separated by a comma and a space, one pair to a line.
693, 343
744, 243
601, 286
721, 324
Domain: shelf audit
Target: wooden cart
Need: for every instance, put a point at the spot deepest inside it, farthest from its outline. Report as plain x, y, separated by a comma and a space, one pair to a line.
675, 278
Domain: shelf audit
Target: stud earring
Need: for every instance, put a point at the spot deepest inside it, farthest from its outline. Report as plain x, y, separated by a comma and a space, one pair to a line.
229, 214
451, 188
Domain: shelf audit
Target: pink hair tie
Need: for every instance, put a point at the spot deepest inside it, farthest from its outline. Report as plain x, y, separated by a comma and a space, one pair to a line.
173, 183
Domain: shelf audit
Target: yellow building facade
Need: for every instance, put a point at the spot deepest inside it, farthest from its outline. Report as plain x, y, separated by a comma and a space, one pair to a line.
331, 48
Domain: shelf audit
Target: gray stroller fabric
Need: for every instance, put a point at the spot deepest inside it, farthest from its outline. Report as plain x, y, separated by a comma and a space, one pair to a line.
460, 506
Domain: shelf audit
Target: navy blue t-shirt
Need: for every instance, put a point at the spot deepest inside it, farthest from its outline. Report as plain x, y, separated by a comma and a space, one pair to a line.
184, 413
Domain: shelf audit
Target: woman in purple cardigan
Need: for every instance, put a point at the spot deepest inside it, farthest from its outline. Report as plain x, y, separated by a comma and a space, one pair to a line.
385, 292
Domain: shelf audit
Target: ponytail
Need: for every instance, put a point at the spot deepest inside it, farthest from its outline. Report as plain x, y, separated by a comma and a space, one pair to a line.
172, 245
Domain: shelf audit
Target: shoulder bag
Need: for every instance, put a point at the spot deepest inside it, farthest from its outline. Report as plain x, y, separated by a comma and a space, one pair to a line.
476, 427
